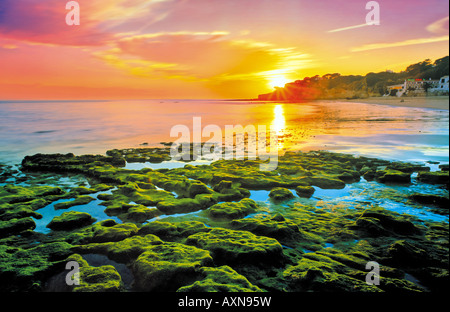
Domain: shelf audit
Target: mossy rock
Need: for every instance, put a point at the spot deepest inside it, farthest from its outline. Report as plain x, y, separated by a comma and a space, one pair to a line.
233, 210
305, 191
320, 273
435, 177
81, 200
431, 199
26, 269
124, 251
132, 213
14, 194
325, 182
96, 279
70, 220
406, 254
221, 279
104, 231
380, 222
173, 231
392, 176
277, 227
169, 266
16, 226
232, 246
19, 211
281, 194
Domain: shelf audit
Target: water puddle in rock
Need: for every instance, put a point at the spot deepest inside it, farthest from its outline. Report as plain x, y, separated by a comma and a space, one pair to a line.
93, 208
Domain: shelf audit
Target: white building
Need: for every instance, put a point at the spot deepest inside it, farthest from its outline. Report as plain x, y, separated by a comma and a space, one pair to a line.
417, 86
441, 86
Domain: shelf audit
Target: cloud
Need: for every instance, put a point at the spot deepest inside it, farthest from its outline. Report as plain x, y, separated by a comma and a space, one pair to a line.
200, 56
375, 46
439, 27
43, 22
348, 28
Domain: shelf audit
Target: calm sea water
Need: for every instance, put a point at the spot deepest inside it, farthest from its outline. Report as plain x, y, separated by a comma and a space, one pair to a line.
396, 133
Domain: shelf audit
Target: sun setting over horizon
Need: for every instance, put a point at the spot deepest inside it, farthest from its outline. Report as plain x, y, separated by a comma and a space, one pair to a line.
278, 81
137, 49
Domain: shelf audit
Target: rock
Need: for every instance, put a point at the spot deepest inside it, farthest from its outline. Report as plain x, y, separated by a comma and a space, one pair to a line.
169, 266
231, 246
124, 251
71, 220
25, 269
435, 177
325, 182
108, 231
198, 187
173, 231
96, 279
221, 279
392, 176
16, 226
404, 254
223, 186
431, 199
233, 210
305, 191
321, 273
380, 222
81, 200
280, 194
286, 232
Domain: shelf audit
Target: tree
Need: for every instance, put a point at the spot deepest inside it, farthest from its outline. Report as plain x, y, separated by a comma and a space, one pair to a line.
426, 87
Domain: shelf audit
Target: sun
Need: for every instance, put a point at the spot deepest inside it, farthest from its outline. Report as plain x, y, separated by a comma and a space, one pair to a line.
278, 81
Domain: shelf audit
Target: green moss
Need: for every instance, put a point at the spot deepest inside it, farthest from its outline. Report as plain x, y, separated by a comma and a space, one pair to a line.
173, 231
96, 279
124, 251
280, 194
304, 191
16, 226
233, 210
70, 220
381, 222
168, 266
286, 232
105, 231
319, 272
81, 200
26, 269
221, 279
231, 246
435, 177
392, 176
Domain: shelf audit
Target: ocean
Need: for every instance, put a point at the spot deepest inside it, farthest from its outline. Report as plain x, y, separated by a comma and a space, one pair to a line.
93, 127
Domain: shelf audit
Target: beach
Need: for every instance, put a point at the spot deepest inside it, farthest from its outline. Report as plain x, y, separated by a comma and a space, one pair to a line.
436, 102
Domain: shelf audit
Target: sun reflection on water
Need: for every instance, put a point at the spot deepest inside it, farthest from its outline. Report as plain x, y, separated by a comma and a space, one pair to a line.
279, 124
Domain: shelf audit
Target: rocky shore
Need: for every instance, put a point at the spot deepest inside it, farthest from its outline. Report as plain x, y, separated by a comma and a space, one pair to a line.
197, 228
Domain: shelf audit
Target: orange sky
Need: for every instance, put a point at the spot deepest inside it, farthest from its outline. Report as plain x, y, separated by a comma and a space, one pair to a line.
204, 48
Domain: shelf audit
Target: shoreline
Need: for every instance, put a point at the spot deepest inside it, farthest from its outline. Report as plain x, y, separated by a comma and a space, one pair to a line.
435, 102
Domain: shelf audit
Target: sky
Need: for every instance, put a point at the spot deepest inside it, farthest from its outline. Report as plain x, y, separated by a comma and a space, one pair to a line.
205, 49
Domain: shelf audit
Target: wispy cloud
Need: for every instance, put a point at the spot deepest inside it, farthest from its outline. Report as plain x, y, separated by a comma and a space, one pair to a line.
348, 28
375, 46
440, 26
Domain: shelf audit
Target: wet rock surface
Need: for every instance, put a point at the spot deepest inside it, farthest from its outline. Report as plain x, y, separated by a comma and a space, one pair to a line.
197, 228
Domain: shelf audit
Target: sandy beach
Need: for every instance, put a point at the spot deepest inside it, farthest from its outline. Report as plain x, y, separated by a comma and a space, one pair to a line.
438, 102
